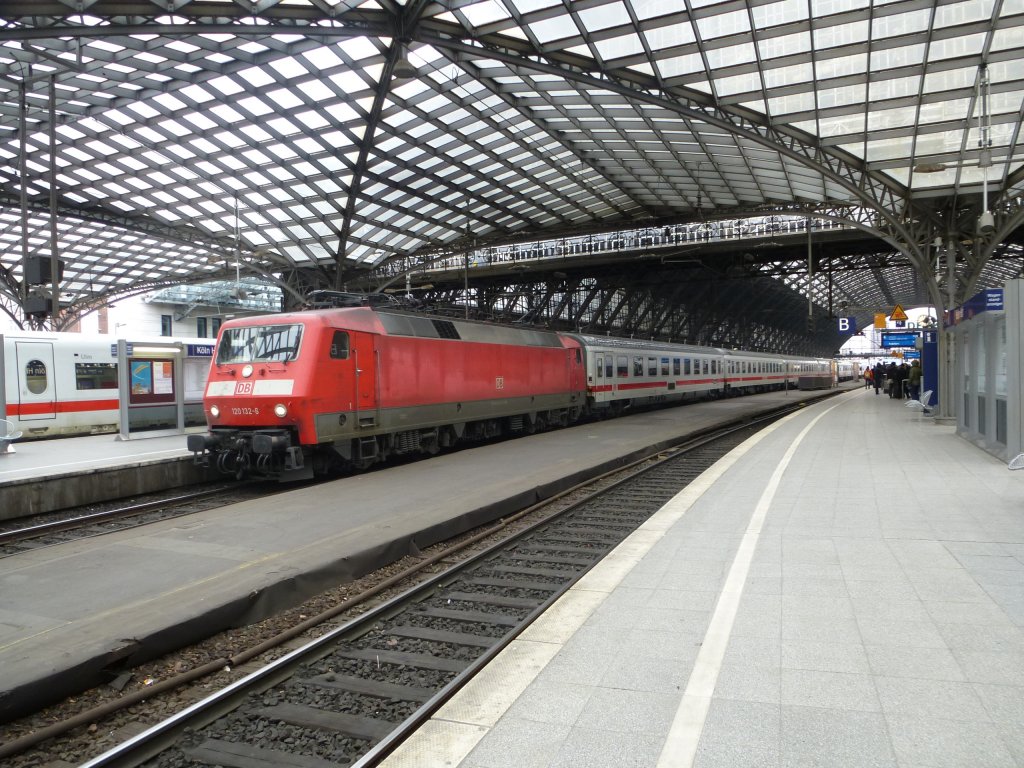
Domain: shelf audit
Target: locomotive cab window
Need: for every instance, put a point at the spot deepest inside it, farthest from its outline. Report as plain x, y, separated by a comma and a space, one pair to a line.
339, 346
260, 344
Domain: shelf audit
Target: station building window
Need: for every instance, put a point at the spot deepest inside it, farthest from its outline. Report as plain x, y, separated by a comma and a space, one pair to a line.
166, 325
201, 327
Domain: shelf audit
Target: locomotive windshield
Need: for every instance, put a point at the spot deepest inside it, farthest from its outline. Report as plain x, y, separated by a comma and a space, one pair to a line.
259, 344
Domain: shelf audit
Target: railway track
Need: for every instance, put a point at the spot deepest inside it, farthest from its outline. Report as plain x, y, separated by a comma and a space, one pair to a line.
350, 696
69, 525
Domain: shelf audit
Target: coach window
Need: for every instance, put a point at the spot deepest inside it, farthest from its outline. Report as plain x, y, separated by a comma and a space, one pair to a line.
339, 346
622, 363
676, 366
95, 375
686, 366
705, 367
638, 365
664, 366
652, 366
609, 367
35, 376
600, 367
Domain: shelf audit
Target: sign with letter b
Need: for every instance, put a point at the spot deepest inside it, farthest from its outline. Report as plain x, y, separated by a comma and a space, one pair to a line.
847, 325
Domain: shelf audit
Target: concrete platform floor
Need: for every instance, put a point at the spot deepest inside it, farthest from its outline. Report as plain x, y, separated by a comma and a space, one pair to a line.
845, 589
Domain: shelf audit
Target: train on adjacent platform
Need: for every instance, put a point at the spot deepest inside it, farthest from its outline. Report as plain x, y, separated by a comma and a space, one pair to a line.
307, 393
66, 384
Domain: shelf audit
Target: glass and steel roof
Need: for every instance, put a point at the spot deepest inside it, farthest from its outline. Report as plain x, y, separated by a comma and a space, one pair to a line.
309, 133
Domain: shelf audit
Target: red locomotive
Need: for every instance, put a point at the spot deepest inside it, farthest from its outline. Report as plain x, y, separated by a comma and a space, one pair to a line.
311, 392
304, 393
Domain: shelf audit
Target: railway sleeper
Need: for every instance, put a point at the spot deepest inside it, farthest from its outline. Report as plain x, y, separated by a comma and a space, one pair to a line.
356, 726
232, 754
374, 688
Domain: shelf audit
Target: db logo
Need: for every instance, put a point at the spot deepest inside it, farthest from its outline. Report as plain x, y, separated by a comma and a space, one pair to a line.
244, 388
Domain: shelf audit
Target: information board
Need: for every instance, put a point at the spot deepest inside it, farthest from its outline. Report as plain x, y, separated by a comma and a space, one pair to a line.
899, 339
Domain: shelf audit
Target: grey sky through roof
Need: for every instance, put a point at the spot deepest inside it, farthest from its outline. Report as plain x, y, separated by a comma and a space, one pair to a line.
186, 126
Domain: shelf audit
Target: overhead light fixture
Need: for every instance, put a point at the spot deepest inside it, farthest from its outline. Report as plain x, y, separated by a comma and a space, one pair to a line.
404, 69
986, 222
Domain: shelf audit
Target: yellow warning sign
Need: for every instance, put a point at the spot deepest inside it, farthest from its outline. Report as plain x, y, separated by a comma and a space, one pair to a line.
898, 314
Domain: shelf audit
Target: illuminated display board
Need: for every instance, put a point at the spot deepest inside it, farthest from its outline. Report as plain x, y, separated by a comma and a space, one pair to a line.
899, 339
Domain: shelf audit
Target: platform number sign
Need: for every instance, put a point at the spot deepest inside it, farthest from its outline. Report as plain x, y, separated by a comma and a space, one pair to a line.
847, 325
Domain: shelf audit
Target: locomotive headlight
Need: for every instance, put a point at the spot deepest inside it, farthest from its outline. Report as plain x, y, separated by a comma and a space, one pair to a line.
280, 411
246, 371
214, 411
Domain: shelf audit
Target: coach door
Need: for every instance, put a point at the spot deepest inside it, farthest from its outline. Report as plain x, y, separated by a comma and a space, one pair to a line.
37, 381
365, 360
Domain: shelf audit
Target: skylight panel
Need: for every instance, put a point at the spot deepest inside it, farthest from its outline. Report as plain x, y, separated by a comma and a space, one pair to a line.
892, 58
182, 47
255, 106
196, 93
963, 12
731, 56
670, 36
786, 45
723, 24
349, 82
359, 48
604, 16
557, 28
619, 47
480, 14
257, 77
322, 58
289, 68
226, 86
774, 14
963, 45
681, 65
283, 99
778, 77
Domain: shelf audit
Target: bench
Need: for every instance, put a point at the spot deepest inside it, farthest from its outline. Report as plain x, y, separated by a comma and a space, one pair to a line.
7, 436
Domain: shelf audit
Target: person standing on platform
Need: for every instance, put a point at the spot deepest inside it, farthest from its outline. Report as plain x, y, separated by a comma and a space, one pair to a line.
868, 376
879, 374
914, 381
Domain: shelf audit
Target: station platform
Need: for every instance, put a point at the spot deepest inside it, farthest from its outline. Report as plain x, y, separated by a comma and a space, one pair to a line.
72, 615
46, 475
844, 589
